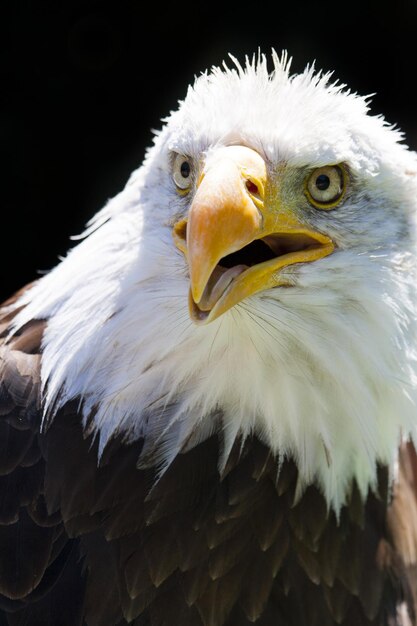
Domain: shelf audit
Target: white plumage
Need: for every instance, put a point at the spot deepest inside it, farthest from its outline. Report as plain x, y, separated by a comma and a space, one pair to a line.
324, 371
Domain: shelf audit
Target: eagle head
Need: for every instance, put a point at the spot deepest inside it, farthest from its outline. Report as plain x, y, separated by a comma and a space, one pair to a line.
257, 275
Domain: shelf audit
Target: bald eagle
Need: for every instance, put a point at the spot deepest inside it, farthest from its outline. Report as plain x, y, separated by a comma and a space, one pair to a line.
208, 408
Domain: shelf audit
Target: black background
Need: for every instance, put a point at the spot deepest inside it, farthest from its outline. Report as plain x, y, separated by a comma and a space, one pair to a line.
82, 84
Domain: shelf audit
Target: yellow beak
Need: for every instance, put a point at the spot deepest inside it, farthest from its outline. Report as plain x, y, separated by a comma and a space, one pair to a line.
235, 244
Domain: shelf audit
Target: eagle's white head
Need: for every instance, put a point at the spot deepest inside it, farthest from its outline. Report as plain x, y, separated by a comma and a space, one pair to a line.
256, 275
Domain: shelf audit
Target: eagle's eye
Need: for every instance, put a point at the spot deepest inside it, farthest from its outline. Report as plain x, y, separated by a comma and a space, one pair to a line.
326, 186
181, 172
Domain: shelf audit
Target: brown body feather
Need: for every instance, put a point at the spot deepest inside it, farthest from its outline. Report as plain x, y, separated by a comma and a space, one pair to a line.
108, 544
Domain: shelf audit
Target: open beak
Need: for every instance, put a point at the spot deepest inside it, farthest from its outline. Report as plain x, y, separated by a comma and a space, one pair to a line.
238, 238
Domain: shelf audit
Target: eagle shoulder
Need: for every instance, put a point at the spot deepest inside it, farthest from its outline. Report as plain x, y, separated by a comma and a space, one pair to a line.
37, 559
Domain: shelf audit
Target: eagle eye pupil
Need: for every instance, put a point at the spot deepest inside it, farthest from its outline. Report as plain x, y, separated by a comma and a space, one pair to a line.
182, 172
185, 169
322, 182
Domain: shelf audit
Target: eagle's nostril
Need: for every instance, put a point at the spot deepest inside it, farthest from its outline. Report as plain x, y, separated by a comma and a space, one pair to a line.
251, 187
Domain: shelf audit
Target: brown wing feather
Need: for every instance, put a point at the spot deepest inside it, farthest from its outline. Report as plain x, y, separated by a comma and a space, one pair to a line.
402, 524
37, 560
209, 558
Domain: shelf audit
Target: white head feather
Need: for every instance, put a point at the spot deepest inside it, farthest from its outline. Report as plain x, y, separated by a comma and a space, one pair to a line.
325, 371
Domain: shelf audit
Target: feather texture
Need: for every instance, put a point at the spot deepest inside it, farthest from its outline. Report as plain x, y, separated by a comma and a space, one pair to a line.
218, 553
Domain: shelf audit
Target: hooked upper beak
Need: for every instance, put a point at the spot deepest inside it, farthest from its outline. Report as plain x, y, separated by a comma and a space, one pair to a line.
238, 237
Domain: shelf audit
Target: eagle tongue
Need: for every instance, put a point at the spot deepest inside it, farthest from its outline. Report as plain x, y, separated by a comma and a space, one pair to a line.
220, 279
